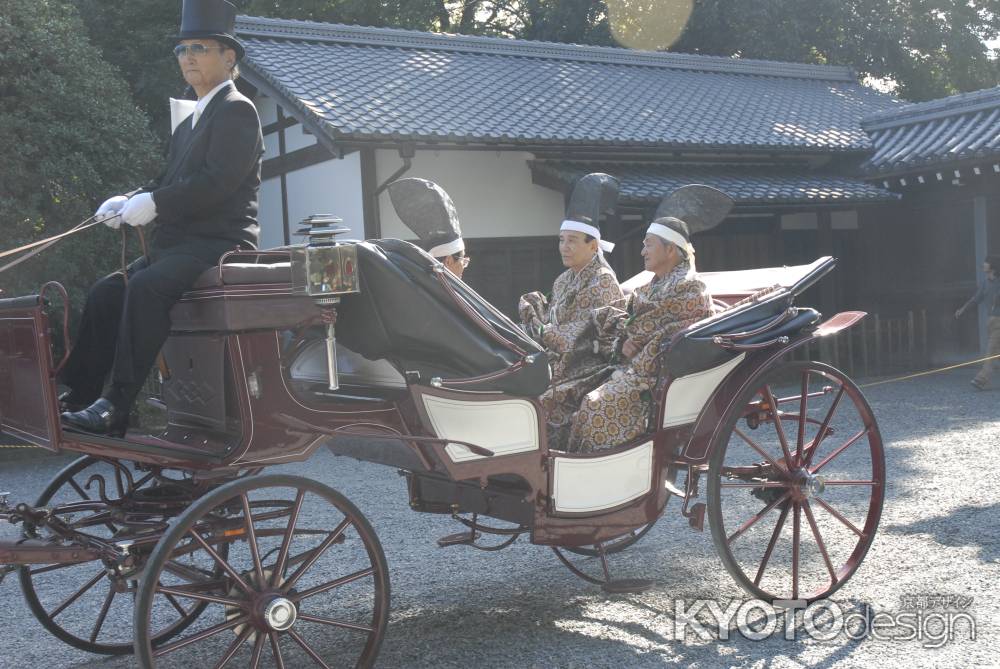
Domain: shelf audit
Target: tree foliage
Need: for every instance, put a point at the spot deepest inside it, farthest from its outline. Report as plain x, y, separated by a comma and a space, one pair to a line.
72, 137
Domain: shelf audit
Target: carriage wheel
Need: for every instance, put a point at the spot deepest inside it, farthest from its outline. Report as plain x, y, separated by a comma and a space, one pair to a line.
64, 597
796, 482
304, 583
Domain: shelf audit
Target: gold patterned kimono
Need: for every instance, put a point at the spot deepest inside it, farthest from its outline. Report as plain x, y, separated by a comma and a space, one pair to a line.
616, 411
577, 330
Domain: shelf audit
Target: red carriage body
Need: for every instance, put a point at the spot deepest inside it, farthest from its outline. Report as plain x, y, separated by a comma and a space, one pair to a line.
437, 383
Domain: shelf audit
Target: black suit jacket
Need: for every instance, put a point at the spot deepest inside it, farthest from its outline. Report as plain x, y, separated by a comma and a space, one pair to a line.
207, 194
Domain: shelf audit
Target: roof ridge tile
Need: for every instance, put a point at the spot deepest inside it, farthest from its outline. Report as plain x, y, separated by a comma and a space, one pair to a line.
262, 27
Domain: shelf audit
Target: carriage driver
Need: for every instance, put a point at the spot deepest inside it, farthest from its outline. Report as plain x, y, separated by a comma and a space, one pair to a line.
203, 204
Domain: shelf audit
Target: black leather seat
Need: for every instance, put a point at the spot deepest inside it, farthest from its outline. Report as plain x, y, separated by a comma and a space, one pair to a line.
244, 274
404, 314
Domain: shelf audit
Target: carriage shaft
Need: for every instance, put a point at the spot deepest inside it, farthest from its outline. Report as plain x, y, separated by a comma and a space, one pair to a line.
31, 551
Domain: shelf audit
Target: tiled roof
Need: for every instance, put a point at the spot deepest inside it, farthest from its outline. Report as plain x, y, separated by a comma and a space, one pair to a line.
933, 134
643, 184
378, 84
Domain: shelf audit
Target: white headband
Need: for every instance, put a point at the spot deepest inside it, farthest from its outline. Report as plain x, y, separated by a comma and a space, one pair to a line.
669, 234
577, 226
447, 249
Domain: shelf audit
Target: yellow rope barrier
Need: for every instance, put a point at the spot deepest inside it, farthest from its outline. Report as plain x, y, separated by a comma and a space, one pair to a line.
930, 371
907, 377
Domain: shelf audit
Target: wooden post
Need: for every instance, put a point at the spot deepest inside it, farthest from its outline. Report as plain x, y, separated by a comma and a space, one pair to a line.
850, 351
864, 344
878, 345
911, 334
923, 333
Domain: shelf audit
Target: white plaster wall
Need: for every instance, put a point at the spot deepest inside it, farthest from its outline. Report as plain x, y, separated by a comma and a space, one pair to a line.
331, 187
266, 109
296, 139
269, 214
492, 192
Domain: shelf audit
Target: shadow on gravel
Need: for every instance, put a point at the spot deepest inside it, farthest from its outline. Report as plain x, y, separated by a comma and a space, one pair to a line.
965, 526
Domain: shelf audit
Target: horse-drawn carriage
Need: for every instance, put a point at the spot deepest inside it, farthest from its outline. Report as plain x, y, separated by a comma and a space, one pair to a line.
181, 530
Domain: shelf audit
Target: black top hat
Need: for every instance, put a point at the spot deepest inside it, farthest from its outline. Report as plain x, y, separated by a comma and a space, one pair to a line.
210, 19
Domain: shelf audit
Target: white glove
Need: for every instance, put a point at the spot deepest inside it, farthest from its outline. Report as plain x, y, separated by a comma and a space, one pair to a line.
140, 209
108, 212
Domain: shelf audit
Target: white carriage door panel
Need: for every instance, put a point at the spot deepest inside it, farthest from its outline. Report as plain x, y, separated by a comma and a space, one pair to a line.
504, 426
330, 187
592, 484
492, 191
687, 395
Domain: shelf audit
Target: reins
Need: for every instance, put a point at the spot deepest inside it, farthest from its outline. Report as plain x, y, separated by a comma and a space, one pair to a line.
43, 244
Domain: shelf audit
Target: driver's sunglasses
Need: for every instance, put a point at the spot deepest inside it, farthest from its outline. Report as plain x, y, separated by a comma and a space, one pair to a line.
182, 50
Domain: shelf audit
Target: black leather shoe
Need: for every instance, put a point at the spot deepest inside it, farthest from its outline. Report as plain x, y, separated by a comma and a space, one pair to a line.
101, 417
71, 402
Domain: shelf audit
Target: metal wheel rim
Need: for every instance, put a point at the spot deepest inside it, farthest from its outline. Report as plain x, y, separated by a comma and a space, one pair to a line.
786, 511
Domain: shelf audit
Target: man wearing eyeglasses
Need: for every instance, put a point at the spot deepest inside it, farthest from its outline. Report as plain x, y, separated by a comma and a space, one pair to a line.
203, 204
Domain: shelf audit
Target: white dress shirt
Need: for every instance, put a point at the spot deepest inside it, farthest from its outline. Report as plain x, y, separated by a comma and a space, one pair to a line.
204, 100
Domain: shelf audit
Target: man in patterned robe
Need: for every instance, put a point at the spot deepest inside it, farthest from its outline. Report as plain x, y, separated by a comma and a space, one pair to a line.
571, 326
616, 411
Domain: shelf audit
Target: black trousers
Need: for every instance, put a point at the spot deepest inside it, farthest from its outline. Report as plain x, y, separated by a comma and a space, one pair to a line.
124, 325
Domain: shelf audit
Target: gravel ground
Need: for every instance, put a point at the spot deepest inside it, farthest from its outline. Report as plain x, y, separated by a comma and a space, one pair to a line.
456, 607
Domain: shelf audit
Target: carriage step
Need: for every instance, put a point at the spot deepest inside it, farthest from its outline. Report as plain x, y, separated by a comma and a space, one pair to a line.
628, 585
459, 539
696, 518
673, 489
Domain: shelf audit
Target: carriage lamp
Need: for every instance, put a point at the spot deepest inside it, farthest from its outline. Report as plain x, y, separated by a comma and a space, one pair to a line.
325, 269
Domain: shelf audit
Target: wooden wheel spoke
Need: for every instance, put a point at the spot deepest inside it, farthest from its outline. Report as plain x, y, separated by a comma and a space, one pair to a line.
764, 454
343, 580
852, 483
279, 661
76, 595
52, 567
840, 449
308, 649
803, 405
258, 647
317, 553
197, 596
202, 635
173, 601
836, 514
823, 428
796, 521
252, 540
76, 486
778, 427
753, 521
286, 542
819, 541
752, 484
99, 623
222, 563
119, 483
192, 574
335, 623
234, 647
770, 544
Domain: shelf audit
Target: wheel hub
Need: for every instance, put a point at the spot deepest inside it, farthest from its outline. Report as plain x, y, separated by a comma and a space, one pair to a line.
280, 614
811, 485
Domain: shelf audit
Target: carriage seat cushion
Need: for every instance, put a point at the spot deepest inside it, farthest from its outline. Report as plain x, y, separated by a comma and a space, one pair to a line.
244, 274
